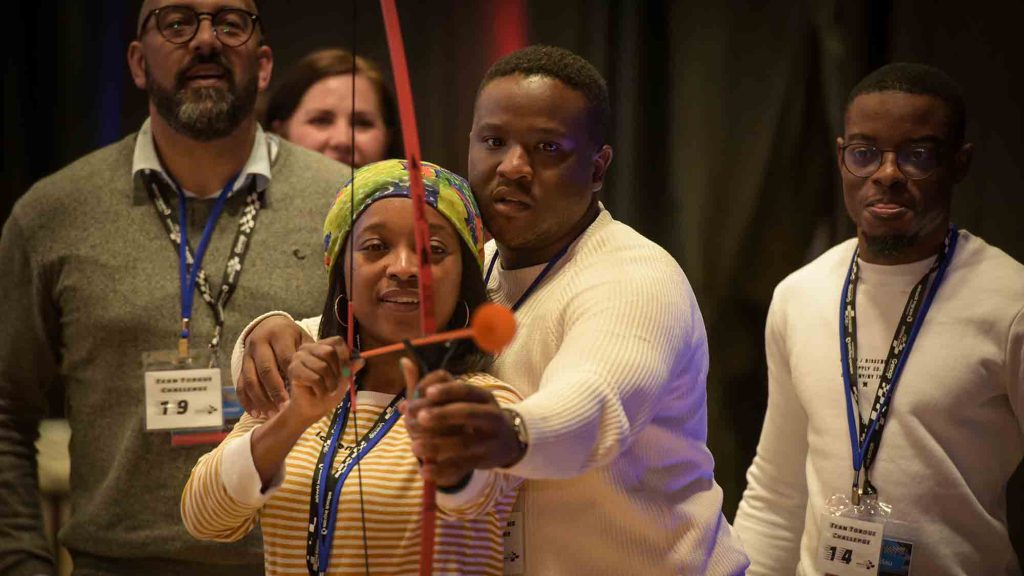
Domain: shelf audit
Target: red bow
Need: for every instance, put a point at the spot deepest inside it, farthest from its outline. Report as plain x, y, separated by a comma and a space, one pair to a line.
411, 140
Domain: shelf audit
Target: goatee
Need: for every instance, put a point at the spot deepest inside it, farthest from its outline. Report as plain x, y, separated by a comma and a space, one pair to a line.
208, 112
890, 245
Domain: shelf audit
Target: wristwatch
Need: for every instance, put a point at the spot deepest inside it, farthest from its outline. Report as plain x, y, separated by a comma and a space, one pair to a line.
519, 426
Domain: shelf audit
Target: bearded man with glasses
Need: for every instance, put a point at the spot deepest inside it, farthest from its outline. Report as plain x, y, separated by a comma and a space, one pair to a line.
913, 328
96, 287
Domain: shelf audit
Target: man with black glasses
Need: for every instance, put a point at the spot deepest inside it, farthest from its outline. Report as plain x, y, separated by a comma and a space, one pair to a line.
104, 292
915, 331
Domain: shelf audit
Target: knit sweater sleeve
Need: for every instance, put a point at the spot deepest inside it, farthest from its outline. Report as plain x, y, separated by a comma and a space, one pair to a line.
223, 496
629, 341
486, 487
770, 518
1015, 365
29, 337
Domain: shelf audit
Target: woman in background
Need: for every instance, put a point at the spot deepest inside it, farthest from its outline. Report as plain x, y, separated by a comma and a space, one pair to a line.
312, 105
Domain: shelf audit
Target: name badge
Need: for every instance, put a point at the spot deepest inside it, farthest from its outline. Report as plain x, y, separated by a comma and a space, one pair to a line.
181, 399
849, 547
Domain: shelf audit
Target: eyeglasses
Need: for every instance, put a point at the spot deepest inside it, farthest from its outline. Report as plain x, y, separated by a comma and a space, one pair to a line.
180, 24
916, 162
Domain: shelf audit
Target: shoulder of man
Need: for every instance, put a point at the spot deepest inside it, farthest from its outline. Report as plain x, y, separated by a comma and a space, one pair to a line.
99, 166
307, 169
972, 251
615, 259
979, 267
613, 244
86, 182
817, 276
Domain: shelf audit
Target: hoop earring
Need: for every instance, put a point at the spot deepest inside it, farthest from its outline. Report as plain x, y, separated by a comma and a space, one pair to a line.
337, 310
465, 305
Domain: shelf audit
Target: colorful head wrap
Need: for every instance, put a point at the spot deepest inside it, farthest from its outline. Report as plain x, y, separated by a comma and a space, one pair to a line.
446, 192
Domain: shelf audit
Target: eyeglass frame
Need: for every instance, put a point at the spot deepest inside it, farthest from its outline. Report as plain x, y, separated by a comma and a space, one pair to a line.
939, 149
254, 18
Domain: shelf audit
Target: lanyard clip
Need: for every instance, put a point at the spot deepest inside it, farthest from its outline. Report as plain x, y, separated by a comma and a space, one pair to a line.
183, 341
858, 488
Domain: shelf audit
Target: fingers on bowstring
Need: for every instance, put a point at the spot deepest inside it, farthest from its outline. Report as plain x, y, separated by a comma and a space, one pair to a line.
344, 356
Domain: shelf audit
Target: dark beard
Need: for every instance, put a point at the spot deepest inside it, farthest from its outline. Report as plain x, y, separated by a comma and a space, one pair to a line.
206, 113
891, 245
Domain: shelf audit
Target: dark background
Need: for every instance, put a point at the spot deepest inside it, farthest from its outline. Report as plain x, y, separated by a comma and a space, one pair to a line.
725, 119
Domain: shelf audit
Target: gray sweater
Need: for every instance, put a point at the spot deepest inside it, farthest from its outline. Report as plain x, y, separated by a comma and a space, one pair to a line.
88, 282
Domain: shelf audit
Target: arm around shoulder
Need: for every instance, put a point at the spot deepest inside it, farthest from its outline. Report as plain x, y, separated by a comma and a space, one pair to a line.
633, 342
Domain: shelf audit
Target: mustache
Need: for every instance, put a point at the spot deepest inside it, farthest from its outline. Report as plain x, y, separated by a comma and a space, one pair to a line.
514, 185
200, 59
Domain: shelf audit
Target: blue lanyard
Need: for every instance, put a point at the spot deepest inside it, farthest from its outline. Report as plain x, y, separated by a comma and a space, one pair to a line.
188, 277
543, 273
537, 281
326, 490
865, 445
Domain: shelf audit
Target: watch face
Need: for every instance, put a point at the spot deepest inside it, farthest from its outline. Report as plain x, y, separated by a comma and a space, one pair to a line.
517, 425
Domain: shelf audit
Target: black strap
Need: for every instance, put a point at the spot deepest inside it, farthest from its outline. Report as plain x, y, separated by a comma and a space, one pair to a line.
913, 315
328, 477
159, 192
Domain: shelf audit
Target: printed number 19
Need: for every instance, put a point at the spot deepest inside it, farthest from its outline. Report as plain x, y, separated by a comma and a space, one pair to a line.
181, 409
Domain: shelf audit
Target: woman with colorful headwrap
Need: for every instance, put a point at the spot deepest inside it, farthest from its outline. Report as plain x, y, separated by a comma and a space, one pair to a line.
325, 501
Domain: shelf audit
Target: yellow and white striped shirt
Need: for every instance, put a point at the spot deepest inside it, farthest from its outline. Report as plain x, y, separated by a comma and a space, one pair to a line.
223, 500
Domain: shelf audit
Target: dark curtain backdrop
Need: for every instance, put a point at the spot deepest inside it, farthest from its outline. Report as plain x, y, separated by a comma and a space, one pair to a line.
725, 119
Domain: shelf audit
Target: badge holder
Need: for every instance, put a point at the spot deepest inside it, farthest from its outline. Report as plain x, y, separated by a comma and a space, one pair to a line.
183, 393
850, 540
862, 539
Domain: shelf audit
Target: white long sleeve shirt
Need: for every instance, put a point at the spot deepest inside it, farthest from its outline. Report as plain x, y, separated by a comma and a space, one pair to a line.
955, 430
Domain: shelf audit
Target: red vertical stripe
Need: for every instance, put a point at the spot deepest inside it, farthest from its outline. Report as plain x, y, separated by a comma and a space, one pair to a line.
508, 26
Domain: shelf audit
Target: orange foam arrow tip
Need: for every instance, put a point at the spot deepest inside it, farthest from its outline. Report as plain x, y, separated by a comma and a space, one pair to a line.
493, 326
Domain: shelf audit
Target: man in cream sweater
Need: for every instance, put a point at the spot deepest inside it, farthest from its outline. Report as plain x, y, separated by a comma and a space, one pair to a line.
610, 353
954, 427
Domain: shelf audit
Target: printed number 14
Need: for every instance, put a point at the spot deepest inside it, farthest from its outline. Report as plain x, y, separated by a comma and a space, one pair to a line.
181, 408
845, 555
